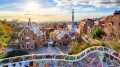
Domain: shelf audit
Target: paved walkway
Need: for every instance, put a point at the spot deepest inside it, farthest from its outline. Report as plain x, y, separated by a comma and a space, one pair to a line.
47, 50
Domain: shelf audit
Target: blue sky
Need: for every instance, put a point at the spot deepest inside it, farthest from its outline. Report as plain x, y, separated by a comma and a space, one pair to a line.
82, 8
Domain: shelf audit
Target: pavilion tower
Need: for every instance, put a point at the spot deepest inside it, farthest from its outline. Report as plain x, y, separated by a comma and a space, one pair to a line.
72, 15
29, 23
73, 28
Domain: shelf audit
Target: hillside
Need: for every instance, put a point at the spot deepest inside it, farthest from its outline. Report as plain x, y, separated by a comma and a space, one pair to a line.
111, 26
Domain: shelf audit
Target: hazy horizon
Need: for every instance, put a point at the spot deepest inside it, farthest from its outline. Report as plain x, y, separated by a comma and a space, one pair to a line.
56, 10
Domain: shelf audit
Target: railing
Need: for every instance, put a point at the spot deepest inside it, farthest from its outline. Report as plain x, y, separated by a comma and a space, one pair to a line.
62, 57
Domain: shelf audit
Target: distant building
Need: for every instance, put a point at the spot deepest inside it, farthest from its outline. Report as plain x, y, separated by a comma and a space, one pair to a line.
86, 25
30, 37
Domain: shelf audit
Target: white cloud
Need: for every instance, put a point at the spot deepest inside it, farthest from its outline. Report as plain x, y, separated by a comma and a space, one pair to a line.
84, 9
83, 15
47, 11
104, 3
96, 3
33, 7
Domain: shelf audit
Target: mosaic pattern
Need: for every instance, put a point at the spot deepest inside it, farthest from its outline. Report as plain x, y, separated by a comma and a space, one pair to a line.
93, 59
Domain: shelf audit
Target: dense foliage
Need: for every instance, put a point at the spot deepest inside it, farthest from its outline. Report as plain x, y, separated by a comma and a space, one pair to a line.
96, 32
16, 53
5, 30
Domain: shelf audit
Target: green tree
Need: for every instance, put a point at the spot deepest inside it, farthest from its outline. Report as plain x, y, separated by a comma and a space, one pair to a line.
97, 32
5, 30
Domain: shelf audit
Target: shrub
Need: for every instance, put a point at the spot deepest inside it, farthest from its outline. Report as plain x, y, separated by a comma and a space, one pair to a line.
76, 47
96, 32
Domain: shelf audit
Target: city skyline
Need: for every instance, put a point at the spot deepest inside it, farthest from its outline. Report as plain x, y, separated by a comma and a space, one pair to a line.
50, 10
